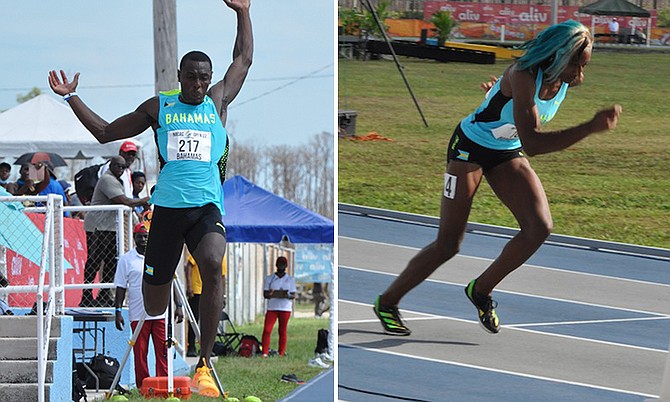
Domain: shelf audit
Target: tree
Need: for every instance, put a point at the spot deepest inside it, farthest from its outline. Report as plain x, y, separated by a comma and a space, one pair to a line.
369, 26
351, 21
245, 160
303, 174
664, 17
33, 93
443, 26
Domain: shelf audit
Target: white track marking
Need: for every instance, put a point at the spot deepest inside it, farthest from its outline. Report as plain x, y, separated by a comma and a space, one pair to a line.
505, 327
514, 373
526, 265
518, 293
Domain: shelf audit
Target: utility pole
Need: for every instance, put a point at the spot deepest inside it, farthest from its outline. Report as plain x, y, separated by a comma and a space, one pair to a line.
165, 45
165, 56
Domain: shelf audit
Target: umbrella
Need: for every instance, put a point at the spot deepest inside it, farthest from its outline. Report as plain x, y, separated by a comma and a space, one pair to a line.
34, 157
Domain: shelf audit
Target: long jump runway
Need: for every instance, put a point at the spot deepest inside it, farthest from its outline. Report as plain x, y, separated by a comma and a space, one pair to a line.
578, 324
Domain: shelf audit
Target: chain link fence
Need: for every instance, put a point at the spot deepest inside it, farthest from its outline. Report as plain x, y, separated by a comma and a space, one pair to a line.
87, 276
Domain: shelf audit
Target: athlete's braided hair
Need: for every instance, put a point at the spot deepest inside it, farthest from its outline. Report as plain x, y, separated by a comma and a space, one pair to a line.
553, 48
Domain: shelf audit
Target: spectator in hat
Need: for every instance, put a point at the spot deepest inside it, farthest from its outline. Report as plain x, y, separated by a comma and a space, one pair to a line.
53, 186
27, 183
5, 170
279, 290
101, 227
128, 151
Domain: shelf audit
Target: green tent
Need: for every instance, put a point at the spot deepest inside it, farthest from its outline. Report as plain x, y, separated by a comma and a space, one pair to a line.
617, 8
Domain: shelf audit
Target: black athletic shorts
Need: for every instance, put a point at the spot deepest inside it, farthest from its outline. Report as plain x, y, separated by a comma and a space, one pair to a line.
461, 148
170, 228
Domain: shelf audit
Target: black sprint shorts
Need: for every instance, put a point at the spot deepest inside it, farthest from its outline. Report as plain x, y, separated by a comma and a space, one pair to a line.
461, 148
170, 228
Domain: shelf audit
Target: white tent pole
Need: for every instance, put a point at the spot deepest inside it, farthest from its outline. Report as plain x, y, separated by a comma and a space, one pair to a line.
554, 12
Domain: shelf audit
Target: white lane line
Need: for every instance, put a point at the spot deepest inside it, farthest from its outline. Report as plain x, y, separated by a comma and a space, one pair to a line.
540, 324
519, 293
514, 373
563, 270
504, 327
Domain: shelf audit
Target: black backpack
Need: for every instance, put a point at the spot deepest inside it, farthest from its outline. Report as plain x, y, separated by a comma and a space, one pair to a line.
85, 181
249, 346
321, 342
78, 391
105, 368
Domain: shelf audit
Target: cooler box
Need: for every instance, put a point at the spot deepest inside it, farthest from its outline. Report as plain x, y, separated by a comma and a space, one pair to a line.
157, 387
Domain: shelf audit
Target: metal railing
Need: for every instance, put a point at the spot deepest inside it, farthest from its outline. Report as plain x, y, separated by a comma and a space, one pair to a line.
52, 260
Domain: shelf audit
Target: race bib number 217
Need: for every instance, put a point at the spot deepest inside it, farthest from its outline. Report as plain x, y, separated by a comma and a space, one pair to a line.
189, 145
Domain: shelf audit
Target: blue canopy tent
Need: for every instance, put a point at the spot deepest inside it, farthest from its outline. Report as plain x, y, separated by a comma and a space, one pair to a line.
255, 215
257, 218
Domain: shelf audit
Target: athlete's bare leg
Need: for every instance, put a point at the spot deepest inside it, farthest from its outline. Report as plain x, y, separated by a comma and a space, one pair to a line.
453, 221
519, 188
156, 297
209, 255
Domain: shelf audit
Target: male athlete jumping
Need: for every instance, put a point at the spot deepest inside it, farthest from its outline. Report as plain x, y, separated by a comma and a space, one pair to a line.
189, 127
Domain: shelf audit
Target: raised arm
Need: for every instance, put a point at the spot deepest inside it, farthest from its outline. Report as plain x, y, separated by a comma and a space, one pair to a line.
527, 119
129, 125
224, 91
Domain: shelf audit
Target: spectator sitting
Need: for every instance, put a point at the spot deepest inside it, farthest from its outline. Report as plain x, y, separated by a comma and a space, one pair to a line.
53, 186
139, 182
72, 199
5, 170
28, 182
128, 151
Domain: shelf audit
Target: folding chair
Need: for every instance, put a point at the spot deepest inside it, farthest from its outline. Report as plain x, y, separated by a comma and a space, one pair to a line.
228, 336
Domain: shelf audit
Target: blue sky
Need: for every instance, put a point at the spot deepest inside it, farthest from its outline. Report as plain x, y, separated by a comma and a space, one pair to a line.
288, 96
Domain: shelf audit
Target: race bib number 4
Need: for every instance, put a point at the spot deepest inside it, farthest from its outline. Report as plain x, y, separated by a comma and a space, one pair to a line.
450, 185
189, 145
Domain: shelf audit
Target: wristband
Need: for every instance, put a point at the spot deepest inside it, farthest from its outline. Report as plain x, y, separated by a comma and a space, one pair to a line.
68, 96
118, 309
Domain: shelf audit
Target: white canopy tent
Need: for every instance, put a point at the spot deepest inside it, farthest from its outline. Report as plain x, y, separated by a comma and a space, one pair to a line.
45, 123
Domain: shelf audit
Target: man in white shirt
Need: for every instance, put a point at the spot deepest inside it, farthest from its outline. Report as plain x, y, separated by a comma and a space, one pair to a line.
129, 272
613, 26
279, 290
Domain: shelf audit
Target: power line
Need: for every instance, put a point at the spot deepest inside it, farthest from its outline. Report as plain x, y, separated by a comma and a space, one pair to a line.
281, 86
117, 86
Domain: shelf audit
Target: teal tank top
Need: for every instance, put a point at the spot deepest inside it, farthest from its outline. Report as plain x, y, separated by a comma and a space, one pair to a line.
192, 147
492, 124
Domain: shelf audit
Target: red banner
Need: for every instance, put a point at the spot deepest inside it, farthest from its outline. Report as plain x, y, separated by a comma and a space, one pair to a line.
522, 21
21, 271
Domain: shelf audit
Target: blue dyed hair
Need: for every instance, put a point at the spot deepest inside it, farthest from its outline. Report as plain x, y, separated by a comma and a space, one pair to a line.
554, 47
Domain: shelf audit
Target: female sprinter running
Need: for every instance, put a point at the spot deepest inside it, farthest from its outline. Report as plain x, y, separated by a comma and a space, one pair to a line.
493, 142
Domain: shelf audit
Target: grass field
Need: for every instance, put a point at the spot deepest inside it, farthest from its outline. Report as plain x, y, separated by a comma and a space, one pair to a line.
612, 186
259, 377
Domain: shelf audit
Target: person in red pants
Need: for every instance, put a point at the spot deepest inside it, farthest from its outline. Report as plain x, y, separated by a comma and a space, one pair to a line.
279, 290
128, 277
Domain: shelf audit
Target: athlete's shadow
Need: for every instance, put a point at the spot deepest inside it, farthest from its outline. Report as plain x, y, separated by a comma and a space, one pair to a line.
390, 341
